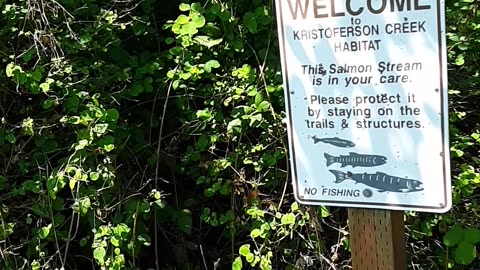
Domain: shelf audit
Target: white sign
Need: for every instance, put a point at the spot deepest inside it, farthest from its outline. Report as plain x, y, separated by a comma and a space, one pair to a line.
366, 98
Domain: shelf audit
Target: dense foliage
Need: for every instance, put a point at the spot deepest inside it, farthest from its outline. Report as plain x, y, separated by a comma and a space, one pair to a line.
149, 134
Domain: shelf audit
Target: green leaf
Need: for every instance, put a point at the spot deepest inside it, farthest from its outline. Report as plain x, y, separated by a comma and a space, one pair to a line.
182, 19
37, 266
55, 184
44, 231
255, 233
106, 142
198, 20
72, 103
204, 115
324, 212
136, 89
122, 230
211, 64
224, 15
459, 61
81, 144
94, 176
250, 22
212, 30
9, 137
45, 87
28, 55
465, 253
83, 242
59, 219
294, 206
271, 89
112, 115
288, 219
184, 221
9, 69
148, 88
454, 236
184, 7
250, 257
237, 264
176, 51
115, 241
189, 29
99, 255
33, 186
258, 98
207, 41
255, 119
223, 219
144, 207
100, 128
47, 103
197, 7
58, 204
233, 125
226, 188
202, 143
263, 106
215, 8
472, 235
84, 205
37, 75
109, 147
144, 239
244, 250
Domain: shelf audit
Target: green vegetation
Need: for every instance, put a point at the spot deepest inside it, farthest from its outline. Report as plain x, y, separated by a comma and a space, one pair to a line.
137, 134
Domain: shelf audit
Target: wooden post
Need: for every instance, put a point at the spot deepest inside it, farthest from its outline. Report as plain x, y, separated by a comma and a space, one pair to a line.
377, 239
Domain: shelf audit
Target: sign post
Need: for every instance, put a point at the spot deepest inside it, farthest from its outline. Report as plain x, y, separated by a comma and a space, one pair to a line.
377, 239
367, 110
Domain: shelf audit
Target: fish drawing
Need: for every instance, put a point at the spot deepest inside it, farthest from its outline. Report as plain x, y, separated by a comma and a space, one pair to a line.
333, 141
381, 181
356, 160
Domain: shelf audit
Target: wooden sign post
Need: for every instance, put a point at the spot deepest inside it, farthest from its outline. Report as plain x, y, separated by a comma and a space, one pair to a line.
377, 239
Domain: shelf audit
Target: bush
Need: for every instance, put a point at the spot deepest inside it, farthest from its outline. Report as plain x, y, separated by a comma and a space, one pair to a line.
139, 134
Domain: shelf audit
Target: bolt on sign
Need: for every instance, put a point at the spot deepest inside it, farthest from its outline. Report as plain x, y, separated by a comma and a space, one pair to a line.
366, 99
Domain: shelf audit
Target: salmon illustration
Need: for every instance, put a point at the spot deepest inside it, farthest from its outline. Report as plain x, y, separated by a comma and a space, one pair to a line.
356, 160
333, 141
381, 181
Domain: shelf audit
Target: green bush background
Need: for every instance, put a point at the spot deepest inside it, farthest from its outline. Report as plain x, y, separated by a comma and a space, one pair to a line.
148, 134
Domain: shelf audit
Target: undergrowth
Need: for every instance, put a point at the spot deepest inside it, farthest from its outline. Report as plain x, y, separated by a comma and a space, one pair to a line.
149, 134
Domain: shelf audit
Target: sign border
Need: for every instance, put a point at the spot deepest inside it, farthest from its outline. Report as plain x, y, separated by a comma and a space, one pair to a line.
447, 201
